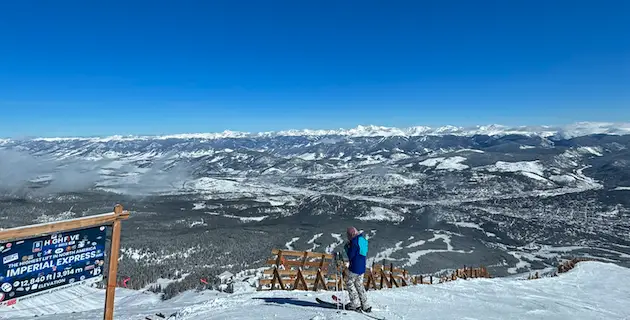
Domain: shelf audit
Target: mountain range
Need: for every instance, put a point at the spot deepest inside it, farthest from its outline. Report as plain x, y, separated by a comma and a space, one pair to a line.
430, 200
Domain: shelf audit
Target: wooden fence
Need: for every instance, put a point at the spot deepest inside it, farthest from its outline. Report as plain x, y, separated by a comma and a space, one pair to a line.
291, 270
379, 277
562, 267
466, 273
304, 270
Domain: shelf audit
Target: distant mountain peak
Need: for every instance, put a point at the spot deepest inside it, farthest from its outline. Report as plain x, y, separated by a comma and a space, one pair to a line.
564, 132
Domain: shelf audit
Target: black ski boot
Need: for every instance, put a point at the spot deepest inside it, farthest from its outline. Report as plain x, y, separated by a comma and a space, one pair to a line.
350, 307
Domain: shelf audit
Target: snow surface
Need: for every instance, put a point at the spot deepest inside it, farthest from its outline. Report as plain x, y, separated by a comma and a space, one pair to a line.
534, 167
199, 206
289, 245
470, 150
246, 219
562, 178
307, 156
332, 246
521, 264
414, 257
385, 254
592, 290
622, 189
313, 239
451, 164
381, 214
473, 225
592, 150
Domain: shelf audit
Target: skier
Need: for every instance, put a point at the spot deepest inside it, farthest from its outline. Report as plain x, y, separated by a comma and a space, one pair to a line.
356, 249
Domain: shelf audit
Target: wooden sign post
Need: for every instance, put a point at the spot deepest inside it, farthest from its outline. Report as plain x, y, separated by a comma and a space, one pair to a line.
114, 218
113, 262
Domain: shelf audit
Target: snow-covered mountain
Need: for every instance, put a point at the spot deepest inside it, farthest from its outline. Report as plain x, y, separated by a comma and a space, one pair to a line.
430, 199
567, 131
593, 290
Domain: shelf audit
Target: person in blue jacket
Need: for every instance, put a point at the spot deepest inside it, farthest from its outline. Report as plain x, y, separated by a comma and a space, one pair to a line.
356, 249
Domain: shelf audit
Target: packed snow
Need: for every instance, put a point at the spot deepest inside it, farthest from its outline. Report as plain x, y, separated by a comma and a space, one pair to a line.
592, 290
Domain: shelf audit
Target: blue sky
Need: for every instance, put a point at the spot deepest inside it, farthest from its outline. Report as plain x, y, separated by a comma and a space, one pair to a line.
71, 68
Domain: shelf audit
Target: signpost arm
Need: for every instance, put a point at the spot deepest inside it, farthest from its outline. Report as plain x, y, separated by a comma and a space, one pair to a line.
113, 265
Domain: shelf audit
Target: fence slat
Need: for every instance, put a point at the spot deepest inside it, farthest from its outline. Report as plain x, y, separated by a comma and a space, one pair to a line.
295, 270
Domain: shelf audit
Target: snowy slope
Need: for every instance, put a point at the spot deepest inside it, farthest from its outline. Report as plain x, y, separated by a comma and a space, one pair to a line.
593, 290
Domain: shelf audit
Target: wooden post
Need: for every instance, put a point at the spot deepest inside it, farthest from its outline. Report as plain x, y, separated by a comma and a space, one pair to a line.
319, 278
403, 281
113, 265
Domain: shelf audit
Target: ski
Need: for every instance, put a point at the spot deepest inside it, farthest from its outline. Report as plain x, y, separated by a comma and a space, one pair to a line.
329, 304
332, 305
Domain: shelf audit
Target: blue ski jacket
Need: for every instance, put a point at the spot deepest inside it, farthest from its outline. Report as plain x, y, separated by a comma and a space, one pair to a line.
357, 254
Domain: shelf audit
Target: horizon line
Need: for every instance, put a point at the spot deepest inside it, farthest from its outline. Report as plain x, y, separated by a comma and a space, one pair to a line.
347, 131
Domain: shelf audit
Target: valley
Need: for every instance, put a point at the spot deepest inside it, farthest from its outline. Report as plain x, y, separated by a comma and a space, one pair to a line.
512, 200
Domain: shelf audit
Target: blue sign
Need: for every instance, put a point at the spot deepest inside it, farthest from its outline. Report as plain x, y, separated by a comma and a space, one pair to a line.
31, 267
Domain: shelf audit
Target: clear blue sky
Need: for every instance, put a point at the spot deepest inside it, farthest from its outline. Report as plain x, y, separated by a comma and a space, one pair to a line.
72, 68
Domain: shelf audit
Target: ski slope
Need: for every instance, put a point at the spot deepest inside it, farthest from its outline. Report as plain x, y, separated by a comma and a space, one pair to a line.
593, 290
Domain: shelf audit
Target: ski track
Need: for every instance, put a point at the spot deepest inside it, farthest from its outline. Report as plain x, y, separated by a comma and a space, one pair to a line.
386, 254
446, 238
331, 247
289, 244
312, 241
414, 257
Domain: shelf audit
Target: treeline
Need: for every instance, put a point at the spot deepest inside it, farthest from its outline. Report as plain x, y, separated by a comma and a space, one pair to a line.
188, 255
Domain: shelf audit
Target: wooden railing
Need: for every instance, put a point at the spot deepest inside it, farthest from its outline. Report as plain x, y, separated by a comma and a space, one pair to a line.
562, 267
295, 270
379, 277
304, 270
466, 273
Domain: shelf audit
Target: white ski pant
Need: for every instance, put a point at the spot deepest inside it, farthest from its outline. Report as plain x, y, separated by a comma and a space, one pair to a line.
356, 290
